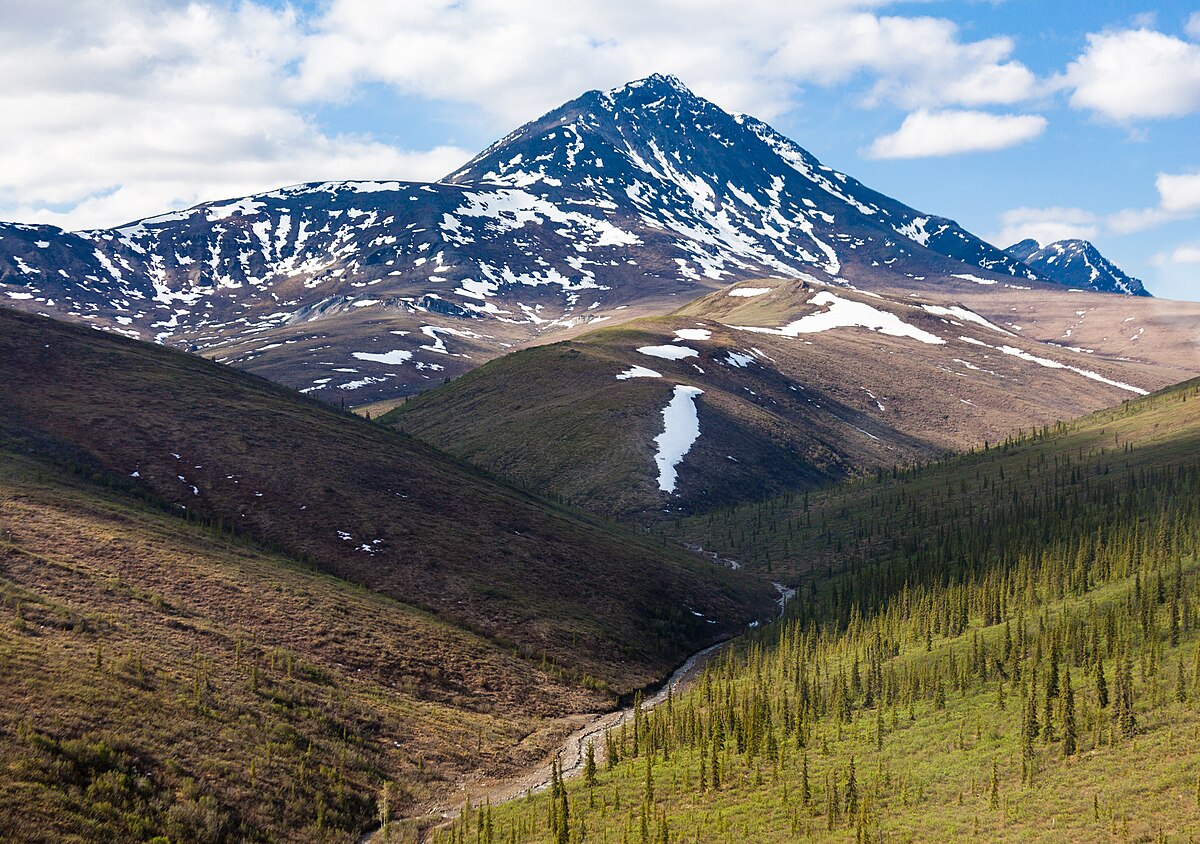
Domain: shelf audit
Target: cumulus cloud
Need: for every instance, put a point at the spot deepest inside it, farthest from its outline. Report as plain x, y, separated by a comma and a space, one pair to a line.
1179, 192
925, 133
514, 56
919, 62
117, 111
1189, 254
1178, 199
1046, 225
1128, 75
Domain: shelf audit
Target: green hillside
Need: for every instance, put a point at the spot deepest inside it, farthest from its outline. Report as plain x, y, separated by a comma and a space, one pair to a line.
1024, 670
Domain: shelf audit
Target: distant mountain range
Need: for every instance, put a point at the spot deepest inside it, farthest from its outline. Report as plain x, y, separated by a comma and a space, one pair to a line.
1077, 264
619, 203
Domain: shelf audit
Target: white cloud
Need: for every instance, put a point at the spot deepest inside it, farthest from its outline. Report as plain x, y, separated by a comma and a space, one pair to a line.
519, 57
1134, 74
1188, 254
1178, 199
925, 133
1046, 225
118, 110
920, 62
1193, 25
1179, 192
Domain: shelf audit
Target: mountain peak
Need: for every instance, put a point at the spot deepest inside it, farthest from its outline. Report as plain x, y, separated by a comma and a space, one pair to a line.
653, 82
1075, 262
1022, 249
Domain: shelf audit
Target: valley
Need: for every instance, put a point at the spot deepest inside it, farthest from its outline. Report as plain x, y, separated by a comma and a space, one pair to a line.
643, 479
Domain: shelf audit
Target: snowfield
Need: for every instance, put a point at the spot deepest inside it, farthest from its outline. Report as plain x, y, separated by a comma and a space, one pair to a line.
681, 428
846, 313
638, 372
669, 352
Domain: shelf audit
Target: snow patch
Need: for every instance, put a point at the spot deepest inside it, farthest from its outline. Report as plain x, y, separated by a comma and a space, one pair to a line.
638, 372
963, 314
681, 428
747, 292
394, 357
846, 313
669, 352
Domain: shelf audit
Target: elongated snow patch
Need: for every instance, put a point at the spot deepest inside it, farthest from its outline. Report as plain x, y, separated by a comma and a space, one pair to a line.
637, 372
1053, 364
669, 352
681, 428
396, 356
749, 291
957, 312
846, 313
974, 278
693, 334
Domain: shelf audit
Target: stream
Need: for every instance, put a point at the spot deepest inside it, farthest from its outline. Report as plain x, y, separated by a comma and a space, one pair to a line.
572, 753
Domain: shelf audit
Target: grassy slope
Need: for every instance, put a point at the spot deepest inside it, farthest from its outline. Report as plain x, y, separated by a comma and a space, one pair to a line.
939, 712
795, 416
160, 677
362, 502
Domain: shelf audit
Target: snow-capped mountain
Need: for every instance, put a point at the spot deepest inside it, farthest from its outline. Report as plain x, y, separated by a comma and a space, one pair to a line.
1078, 264
644, 196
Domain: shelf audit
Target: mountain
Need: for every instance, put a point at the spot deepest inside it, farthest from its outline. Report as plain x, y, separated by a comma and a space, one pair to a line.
617, 204
362, 503
1077, 264
789, 385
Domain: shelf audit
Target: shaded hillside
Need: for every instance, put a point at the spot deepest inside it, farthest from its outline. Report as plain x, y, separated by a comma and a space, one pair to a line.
801, 384
362, 503
1027, 483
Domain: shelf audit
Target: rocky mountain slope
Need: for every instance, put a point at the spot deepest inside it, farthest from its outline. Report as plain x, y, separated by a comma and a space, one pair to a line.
1077, 264
775, 385
617, 204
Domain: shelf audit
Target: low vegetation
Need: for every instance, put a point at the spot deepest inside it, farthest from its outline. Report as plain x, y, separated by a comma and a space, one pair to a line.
363, 503
989, 674
189, 650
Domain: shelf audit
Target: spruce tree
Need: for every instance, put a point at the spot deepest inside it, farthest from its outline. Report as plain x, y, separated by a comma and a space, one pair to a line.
1070, 739
589, 766
805, 789
851, 791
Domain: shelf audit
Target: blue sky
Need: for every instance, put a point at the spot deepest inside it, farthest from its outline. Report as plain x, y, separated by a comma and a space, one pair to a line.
1015, 117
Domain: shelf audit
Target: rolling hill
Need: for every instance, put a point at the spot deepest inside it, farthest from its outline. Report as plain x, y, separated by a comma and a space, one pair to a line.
228, 612
360, 502
802, 384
